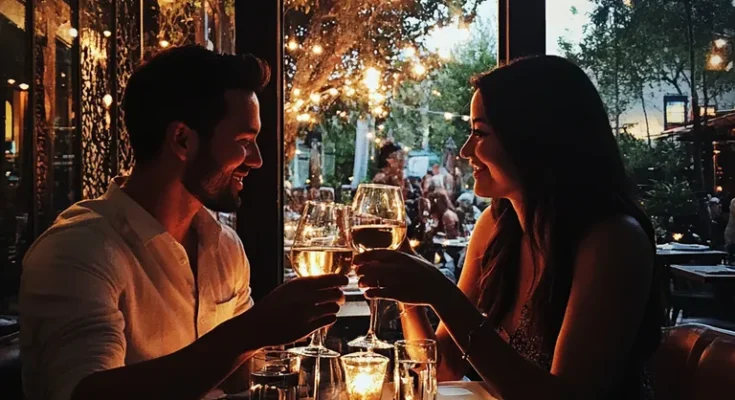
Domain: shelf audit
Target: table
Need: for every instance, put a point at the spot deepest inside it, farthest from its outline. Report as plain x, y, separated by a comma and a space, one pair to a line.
720, 277
668, 257
452, 391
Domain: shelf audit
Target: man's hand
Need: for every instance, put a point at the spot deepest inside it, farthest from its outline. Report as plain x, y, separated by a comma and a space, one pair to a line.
297, 308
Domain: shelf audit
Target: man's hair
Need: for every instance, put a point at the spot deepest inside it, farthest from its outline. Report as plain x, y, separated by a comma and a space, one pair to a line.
185, 84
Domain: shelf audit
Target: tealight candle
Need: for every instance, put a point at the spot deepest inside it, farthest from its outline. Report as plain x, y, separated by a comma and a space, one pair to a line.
364, 375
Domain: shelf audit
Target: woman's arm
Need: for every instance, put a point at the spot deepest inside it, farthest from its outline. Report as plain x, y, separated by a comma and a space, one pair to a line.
416, 324
610, 290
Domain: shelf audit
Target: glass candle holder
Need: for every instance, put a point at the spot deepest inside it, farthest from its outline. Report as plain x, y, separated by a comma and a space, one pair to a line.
364, 375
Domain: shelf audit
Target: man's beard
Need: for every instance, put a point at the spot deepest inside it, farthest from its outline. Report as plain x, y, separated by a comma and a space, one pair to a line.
206, 181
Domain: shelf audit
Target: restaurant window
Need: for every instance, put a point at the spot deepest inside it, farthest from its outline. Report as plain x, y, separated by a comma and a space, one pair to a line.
379, 91
64, 65
665, 73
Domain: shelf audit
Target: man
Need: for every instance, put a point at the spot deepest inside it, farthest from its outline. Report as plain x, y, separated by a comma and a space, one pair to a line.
142, 294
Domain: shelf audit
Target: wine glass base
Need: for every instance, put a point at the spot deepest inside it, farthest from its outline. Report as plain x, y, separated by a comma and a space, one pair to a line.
314, 351
369, 343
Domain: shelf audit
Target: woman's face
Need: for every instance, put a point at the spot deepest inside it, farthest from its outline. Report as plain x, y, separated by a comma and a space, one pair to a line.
494, 173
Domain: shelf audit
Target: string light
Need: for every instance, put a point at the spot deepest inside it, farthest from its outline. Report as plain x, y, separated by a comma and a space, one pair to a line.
23, 86
720, 43
448, 116
333, 91
715, 61
73, 32
381, 127
436, 93
107, 100
315, 98
164, 43
106, 33
349, 91
293, 45
303, 117
410, 51
297, 92
11, 81
419, 69
465, 118
317, 49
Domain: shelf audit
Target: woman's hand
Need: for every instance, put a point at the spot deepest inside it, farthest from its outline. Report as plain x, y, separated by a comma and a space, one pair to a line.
399, 276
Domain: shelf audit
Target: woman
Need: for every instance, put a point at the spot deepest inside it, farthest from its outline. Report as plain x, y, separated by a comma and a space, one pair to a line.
566, 282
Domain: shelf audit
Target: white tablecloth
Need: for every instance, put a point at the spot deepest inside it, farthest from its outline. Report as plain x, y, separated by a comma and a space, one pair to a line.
453, 391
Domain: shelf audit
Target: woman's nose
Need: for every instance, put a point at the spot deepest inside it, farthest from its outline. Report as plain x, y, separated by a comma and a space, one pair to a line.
467, 149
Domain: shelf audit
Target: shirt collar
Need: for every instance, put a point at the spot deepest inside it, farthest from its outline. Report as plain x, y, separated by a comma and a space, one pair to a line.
147, 228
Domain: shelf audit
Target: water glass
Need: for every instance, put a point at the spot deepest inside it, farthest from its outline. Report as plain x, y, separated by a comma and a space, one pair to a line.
415, 370
274, 375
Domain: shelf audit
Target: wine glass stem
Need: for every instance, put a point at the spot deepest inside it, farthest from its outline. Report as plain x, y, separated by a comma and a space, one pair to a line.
373, 317
317, 338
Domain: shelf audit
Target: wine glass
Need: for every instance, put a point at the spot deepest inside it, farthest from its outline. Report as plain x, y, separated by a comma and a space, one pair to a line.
378, 223
321, 246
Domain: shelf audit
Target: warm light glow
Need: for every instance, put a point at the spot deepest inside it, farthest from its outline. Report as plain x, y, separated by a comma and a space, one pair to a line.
303, 118
107, 100
349, 91
377, 97
106, 33
720, 43
364, 375
317, 49
419, 69
164, 43
297, 152
372, 79
378, 110
315, 98
381, 127
678, 236
73, 32
719, 189
436, 93
715, 61
410, 51
11, 81
369, 135
378, 140
333, 91
297, 92
23, 86
628, 3
465, 118
448, 116
293, 45
407, 149
414, 243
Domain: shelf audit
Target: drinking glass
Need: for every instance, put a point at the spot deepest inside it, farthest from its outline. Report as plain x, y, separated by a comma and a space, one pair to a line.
321, 379
321, 246
415, 370
274, 375
378, 223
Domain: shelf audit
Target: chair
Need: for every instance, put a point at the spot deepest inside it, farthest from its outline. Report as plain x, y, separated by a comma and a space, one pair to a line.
695, 361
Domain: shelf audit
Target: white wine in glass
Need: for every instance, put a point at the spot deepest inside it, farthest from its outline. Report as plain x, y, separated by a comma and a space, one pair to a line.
322, 246
378, 223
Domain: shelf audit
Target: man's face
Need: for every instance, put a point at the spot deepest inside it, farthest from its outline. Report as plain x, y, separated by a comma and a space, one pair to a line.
215, 175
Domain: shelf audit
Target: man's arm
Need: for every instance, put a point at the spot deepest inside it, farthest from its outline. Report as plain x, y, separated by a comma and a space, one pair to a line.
189, 373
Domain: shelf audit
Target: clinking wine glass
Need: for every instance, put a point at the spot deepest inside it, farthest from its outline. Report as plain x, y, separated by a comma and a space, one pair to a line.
321, 246
378, 223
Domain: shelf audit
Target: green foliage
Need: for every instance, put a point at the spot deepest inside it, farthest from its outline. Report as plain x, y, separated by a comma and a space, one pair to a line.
447, 89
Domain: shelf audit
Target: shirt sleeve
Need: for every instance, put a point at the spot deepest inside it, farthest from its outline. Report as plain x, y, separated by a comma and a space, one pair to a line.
71, 325
244, 298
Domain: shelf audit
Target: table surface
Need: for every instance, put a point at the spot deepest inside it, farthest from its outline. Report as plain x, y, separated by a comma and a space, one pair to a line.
718, 274
452, 391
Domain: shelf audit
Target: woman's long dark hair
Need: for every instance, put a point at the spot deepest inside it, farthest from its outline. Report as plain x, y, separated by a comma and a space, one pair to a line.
552, 123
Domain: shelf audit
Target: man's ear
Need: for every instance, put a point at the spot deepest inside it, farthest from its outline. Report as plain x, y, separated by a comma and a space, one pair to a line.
182, 140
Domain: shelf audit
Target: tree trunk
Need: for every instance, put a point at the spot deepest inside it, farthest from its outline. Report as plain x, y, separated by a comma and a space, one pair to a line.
645, 115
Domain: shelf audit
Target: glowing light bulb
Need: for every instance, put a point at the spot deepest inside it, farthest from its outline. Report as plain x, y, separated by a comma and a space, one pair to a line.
23, 86
465, 118
73, 32
410, 51
107, 100
315, 98
448, 116
293, 45
372, 78
106, 33
715, 61
11, 81
720, 43
317, 49
419, 69
164, 43
333, 91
